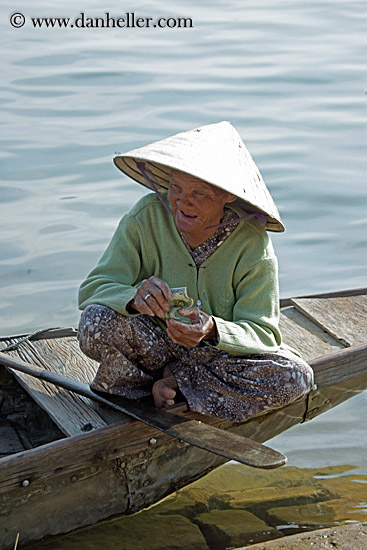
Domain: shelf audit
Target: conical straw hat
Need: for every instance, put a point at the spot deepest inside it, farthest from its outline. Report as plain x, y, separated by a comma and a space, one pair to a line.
214, 153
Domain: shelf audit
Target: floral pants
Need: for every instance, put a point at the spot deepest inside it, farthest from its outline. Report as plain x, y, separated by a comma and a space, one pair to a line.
133, 351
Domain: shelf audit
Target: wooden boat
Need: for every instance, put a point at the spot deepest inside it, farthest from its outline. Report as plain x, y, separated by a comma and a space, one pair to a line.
67, 462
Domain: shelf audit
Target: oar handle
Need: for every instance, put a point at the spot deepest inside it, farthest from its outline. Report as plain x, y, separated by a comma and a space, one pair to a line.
46, 375
209, 438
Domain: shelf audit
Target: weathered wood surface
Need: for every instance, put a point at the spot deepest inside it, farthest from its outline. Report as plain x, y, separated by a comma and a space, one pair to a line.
340, 366
344, 318
195, 432
324, 399
305, 336
9, 440
285, 302
73, 454
91, 493
63, 503
72, 413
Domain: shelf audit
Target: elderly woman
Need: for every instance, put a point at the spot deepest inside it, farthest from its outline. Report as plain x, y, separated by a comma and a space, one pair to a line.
209, 234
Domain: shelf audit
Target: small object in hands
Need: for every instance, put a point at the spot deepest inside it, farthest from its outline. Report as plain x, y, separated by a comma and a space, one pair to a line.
147, 296
180, 300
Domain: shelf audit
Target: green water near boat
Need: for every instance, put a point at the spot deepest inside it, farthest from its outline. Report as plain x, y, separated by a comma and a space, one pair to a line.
231, 507
290, 76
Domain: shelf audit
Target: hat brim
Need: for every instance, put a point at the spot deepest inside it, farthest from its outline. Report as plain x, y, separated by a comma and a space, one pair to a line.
128, 165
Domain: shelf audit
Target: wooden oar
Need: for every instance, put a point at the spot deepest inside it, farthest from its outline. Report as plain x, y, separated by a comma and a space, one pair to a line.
209, 438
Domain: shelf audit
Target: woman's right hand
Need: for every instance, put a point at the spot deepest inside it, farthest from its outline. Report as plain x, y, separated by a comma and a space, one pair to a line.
152, 297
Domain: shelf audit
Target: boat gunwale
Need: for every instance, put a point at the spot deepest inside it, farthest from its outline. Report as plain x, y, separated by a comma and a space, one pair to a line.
108, 435
104, 440
61, 332
285, 302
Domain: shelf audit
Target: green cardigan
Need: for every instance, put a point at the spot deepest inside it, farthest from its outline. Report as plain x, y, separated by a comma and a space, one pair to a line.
237, 284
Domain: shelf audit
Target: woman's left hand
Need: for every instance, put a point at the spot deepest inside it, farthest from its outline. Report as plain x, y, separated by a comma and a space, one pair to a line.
202, 328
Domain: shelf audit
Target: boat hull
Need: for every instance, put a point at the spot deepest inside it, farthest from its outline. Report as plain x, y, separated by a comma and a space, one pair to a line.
126, 466
85, 479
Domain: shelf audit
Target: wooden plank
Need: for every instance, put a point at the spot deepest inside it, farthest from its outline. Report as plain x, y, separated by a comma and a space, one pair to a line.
344, 318
195, 432
305, 336
65, 357
74, 453
73, 414
340, 366
285, 302
62, 505
9, 440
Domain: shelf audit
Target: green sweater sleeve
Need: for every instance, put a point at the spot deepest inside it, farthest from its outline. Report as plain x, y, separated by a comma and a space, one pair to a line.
237, 285
254, 328
111, 282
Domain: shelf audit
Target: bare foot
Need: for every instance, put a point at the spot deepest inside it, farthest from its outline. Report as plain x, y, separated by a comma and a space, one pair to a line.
164, 392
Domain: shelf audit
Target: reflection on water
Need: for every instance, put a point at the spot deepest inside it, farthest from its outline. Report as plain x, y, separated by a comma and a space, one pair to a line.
234, 506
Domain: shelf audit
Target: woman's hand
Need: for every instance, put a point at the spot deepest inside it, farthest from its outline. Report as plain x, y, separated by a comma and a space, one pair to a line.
152, 297
203, 328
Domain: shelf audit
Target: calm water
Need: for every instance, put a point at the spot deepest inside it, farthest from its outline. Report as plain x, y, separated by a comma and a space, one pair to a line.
290, 76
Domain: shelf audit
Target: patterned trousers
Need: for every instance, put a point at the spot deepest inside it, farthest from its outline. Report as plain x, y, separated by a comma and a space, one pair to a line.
133, 351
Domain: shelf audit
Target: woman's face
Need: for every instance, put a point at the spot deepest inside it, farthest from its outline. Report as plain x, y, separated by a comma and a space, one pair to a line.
196, 206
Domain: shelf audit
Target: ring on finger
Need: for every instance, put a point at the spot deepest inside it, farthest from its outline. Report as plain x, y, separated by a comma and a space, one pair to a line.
146, 297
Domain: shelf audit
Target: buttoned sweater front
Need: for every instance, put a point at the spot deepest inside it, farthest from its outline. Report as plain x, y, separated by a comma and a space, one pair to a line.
237, 284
